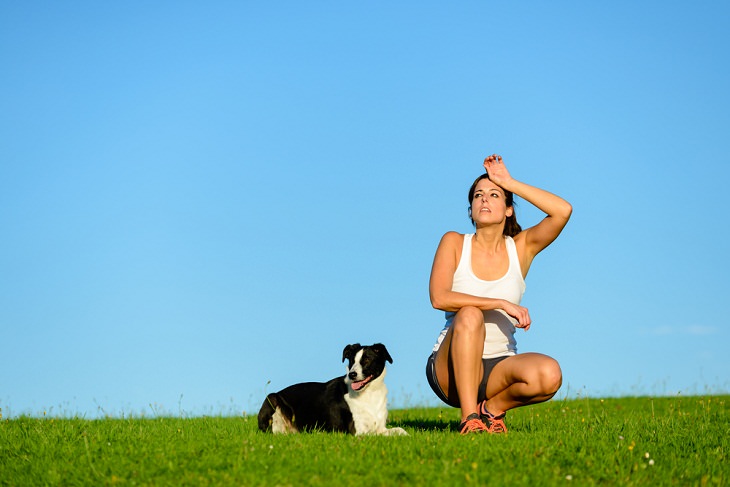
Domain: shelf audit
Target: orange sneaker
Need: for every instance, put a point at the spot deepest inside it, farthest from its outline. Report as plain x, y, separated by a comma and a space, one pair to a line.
494, 424
472, 424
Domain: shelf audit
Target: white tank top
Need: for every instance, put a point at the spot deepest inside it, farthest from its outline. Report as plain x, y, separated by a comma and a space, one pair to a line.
500, 329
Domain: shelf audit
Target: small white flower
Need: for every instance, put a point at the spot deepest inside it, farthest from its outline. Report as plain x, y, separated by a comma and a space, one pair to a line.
271, 447
651, 462
646, 455
568, 477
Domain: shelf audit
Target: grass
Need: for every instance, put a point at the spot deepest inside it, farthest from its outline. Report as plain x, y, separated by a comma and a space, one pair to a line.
621, 441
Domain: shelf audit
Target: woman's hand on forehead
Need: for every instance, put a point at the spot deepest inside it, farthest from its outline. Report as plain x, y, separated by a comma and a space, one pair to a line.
498, 173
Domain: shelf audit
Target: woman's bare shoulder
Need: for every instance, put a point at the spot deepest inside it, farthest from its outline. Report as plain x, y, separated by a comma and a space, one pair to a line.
452, 238
451, 242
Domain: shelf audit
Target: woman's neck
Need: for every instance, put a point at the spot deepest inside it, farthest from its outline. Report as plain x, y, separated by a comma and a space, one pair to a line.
490, 238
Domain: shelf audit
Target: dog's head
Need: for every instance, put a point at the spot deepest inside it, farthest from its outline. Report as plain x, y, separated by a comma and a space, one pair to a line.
365, 364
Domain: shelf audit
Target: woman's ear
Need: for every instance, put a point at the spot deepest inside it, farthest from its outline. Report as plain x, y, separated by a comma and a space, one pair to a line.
510, 211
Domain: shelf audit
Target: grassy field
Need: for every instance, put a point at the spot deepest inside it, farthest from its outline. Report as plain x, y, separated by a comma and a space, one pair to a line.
621, 441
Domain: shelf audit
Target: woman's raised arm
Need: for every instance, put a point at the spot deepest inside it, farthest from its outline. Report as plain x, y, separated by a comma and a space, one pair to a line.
557, 210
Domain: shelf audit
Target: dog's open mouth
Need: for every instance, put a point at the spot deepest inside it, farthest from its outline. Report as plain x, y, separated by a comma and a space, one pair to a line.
356, 386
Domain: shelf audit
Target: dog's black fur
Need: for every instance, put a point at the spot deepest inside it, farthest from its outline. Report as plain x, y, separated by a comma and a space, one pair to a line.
330, 406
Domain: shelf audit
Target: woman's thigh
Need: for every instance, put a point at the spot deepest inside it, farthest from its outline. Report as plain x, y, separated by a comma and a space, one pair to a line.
442, 363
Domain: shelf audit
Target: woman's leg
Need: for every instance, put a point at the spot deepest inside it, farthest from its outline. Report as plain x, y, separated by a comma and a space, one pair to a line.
522, 379
458, 362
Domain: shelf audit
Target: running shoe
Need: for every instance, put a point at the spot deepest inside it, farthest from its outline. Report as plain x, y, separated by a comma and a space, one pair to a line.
494, 424
472, 424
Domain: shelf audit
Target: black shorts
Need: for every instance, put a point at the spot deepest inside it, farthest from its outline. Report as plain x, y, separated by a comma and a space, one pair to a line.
489, 364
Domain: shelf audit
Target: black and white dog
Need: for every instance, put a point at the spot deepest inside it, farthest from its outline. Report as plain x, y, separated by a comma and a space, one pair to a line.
355, 403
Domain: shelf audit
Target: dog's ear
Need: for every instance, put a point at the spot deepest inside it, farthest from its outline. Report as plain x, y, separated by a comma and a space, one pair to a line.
380, 348
350, 351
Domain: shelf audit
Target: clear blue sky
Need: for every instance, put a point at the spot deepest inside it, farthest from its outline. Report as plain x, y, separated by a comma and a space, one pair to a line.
202, 202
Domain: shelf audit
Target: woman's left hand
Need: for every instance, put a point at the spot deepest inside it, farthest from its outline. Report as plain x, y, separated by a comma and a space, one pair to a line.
497, 171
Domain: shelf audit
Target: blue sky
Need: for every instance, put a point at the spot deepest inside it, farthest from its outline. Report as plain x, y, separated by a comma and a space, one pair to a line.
201, 203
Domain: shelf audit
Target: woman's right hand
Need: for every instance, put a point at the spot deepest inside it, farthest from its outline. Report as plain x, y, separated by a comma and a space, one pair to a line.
497, 171
520, 313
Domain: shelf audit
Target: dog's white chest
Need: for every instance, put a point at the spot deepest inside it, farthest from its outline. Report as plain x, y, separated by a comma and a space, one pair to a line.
369, 409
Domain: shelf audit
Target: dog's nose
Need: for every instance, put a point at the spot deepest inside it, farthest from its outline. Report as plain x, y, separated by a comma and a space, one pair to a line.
352, 375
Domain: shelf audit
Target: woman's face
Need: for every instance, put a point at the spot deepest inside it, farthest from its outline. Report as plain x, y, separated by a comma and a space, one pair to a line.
489, 205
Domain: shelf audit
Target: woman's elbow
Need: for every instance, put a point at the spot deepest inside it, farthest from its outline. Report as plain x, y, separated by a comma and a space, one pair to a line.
436, 302
442, 304
566, 211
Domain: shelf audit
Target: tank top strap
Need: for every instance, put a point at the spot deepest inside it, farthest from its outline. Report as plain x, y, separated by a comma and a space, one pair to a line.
514, 258
465, 259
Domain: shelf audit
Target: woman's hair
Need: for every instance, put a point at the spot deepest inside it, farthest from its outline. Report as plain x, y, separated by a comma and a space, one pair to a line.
511, 227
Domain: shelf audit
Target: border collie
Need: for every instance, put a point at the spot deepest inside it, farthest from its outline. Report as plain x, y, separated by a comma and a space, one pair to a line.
355, 403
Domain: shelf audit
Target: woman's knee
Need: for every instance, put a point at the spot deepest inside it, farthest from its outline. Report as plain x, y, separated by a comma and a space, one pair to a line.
550, 376
469, 319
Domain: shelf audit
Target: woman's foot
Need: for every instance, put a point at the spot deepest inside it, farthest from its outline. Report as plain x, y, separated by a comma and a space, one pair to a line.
494, 424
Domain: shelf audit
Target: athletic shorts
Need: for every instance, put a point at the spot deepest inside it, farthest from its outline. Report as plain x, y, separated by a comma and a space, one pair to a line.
489, 364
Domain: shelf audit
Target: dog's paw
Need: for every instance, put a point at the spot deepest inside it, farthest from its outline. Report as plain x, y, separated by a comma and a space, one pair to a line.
396, 432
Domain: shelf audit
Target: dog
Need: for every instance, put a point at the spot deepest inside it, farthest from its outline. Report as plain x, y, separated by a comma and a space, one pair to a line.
354, 404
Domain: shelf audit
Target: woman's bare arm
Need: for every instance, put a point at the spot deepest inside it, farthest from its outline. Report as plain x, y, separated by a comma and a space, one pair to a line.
557, 210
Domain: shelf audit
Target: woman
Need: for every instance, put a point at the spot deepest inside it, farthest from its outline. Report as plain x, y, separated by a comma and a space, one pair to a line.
478, 280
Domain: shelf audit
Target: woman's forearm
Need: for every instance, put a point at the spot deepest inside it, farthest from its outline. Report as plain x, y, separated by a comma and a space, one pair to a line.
549, 203
454, 301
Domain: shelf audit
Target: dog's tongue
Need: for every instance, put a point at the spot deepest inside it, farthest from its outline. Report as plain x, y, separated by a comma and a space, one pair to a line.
356, 386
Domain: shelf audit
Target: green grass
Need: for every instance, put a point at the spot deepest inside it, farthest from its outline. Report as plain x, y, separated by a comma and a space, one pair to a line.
622, 441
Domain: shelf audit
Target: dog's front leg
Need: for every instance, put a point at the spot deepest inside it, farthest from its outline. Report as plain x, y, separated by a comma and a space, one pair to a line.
394, 432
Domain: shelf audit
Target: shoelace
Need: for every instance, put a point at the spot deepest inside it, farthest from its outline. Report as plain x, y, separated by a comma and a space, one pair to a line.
496, 425
473, 425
